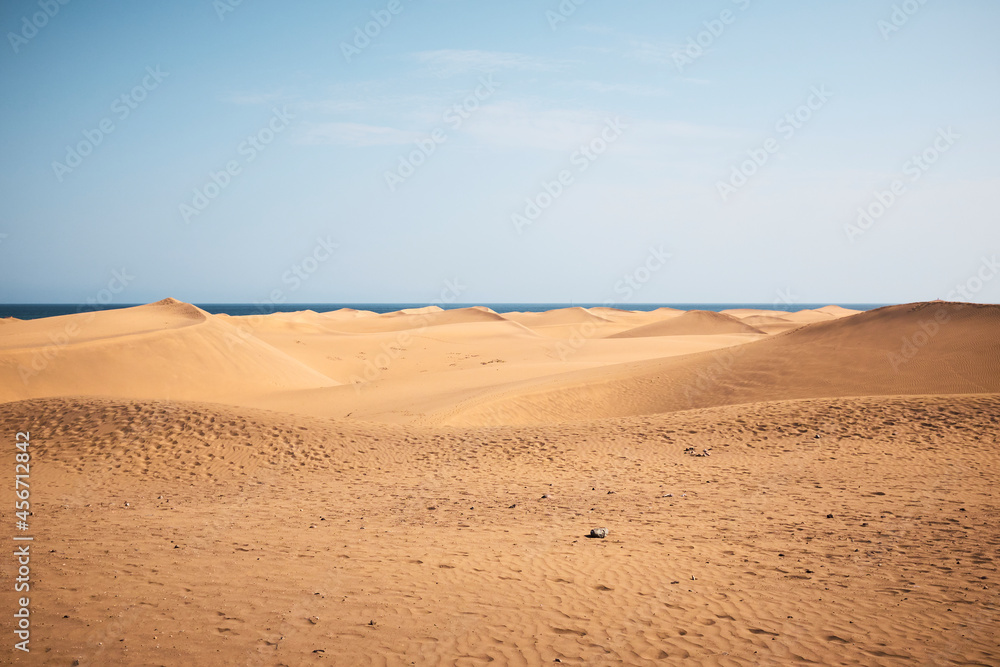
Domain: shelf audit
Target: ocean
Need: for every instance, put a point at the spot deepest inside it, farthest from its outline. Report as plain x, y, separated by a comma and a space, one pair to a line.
31, 311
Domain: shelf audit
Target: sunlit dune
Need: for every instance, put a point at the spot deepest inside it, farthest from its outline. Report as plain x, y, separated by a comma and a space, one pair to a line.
692, 323
419, 487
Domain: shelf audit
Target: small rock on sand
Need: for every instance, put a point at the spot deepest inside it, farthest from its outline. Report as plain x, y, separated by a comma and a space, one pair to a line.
599, 532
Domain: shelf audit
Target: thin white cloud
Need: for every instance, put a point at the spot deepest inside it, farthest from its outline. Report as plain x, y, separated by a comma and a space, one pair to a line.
368, 104
674, 130
519, 125
638, 90
355, 134
450, 62
667, 55
523, 125
338, 106
251, 99
648, 52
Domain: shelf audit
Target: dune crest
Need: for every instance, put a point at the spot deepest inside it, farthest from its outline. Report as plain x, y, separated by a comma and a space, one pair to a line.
692, 323
912, 349
557, 317
167, 349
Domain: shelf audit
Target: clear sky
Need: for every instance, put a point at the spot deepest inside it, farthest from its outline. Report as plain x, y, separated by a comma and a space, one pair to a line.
715, 151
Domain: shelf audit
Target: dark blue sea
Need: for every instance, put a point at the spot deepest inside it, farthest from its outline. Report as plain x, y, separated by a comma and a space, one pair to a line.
30, 311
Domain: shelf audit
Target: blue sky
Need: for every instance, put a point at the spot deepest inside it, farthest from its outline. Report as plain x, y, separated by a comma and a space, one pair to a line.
224, 152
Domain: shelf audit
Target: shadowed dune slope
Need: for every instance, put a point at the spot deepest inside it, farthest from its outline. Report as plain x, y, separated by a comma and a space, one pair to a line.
771, 324
743, 313
757, 320
838, 311
924, 348
691, 323
167, 349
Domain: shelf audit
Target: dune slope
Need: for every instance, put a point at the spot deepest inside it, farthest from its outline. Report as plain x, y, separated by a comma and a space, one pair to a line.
164, 350
692, 323
928, 348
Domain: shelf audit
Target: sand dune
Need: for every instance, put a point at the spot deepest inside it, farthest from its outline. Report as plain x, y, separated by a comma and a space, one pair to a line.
349, 313
425, 310
635, 317
812, 315
449, 364
755, 320
88, 326
353, 489
838, 311
692, 323
558, 317
163, 350
809, 316
939, 348
771, 324
301, 322
415, 319
193, 533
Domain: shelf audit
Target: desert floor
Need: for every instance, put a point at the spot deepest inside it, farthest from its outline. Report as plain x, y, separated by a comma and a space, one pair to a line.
417, 488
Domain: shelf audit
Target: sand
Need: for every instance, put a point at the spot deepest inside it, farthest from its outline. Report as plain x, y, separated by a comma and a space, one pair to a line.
349, 488
692, 323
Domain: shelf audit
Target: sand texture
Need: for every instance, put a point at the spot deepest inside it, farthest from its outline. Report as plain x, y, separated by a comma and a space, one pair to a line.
418, 487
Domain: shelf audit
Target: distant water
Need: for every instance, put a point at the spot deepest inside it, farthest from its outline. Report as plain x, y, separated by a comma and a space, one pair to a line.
33, 311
